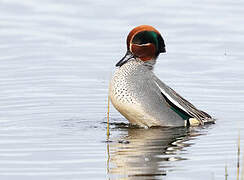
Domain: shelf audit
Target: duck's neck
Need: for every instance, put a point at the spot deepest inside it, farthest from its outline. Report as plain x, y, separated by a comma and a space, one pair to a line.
150, 64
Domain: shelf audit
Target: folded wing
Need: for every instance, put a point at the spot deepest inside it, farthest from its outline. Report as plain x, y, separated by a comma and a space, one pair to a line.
180, 105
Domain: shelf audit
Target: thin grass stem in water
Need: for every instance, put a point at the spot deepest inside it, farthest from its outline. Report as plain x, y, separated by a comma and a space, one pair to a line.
108, 133
238, 158
226, 173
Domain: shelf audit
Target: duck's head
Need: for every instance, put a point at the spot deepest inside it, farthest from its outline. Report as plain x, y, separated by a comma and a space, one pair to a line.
144, 43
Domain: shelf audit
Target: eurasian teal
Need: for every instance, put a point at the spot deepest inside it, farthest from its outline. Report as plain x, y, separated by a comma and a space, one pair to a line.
139, 95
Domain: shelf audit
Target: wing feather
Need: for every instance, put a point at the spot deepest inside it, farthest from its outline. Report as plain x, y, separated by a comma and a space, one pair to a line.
182, 103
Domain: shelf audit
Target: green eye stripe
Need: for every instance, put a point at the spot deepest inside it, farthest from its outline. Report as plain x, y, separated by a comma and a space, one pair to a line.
145, 37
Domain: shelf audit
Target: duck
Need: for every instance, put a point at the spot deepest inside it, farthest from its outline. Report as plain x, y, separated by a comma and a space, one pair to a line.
140, 96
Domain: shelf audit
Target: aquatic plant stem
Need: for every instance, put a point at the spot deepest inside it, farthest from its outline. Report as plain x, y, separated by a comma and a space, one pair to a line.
108, 133
238, 158
108, 160
226, 172
242, 169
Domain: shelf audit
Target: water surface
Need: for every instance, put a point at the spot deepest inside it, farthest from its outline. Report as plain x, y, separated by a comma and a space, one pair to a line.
56, 61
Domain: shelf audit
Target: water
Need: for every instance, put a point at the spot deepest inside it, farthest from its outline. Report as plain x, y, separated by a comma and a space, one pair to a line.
56, 60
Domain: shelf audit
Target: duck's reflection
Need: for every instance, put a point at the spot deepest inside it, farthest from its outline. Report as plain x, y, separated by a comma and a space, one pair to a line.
146, 153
